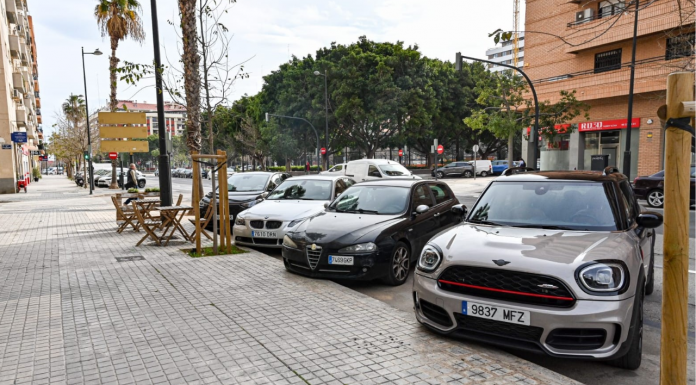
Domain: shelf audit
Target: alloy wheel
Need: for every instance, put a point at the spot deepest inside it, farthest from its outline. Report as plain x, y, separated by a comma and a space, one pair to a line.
440, 174
656, 198
401, 263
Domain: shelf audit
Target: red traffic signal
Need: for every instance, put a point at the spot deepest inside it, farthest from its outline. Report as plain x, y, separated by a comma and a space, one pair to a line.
323, 151
113, 155
401, 152
440, 149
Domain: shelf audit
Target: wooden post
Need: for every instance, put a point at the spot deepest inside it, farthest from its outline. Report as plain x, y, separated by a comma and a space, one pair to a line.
196, 200
675, 296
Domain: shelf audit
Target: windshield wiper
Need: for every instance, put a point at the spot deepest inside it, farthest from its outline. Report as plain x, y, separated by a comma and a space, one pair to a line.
361, 211
545, 227
480, 222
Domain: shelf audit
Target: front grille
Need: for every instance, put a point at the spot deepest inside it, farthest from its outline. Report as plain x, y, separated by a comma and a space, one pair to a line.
435, 313
256, 224
498, 328
265, 241
272, 225
506, 285
243, 239
577, 339
313, 256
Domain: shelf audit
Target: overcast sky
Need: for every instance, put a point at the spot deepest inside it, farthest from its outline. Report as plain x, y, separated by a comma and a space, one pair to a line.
267, 31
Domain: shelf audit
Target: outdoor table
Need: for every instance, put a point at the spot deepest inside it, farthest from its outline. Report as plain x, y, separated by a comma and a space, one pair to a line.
171, 219
147, 205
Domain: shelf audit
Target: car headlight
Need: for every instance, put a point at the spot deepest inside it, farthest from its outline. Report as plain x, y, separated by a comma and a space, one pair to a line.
430, 258
359, 248
246, 205
295, 222
239, 220
603, 277
289, 243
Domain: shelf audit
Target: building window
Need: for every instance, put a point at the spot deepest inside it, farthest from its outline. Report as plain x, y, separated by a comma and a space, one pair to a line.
607, 61
680, 46
610, 8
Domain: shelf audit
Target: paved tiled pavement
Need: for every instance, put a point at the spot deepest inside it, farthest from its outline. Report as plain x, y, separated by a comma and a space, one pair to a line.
70, 313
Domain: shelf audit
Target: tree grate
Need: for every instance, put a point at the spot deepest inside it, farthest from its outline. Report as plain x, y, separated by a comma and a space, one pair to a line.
130, 258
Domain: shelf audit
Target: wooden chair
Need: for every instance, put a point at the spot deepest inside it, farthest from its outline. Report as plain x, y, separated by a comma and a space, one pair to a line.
148, 225
127, 216
204, 222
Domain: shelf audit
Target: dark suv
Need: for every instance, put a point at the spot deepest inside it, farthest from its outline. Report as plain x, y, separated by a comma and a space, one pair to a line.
651, 188
464, 169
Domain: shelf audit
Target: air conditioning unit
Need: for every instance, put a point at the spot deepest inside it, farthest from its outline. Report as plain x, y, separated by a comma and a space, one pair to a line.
16, 95
584, 15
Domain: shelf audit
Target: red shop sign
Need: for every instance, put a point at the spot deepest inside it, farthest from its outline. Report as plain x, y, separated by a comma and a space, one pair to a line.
607, 125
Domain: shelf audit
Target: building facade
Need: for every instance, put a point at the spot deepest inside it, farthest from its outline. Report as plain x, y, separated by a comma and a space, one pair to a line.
174, 116
504, 53
20, 133
586, 46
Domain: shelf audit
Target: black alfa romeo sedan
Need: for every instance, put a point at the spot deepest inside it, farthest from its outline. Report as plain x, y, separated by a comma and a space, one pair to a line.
372, 230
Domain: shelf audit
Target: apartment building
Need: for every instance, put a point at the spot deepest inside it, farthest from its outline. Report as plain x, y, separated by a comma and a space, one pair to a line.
504, 54
20, 134
586, 46
174, 116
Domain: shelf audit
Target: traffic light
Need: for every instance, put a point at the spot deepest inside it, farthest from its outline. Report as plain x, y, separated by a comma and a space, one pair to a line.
458, 62
86, 155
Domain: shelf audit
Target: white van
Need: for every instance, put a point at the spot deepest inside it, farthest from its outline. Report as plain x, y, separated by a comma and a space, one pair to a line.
482, 167
377, 169
339, 169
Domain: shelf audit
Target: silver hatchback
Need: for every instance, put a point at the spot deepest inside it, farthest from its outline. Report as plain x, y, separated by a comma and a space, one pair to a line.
554, 262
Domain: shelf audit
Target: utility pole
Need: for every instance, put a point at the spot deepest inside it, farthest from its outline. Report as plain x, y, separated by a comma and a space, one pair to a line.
89, 174
629, 126
165, 177
326, 107
675, 295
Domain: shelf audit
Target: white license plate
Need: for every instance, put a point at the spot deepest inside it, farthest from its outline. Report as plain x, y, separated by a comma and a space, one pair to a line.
340, 260
264, 234
496, 313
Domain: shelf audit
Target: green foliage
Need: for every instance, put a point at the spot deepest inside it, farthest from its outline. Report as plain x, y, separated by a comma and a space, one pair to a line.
566, 109
208, 252
133, 190
36, 172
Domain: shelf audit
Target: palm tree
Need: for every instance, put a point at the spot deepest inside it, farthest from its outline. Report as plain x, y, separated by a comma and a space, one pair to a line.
118, 19
75, 111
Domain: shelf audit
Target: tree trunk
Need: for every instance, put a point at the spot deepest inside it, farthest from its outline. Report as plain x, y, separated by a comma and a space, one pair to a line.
511, 146
192, 80
113, 102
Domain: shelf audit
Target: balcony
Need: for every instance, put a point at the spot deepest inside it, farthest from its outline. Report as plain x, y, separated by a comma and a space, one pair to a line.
18, 81
38, 103
11, 10
38, 119
14, 46
21, 113
588, 33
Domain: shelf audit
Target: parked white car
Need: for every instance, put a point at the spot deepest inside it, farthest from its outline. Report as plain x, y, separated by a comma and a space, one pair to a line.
377, 169
293, 201
482, 167
339, 169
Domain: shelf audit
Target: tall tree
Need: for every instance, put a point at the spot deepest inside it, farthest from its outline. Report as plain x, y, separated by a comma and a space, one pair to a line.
74, 111
118, 19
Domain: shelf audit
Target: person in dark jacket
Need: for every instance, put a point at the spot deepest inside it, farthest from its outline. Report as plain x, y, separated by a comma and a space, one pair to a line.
132, 181
522, 163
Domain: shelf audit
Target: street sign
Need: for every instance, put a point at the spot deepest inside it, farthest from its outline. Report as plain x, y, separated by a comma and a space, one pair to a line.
43, 158
476, 147
122, 132
323, 151
122, 118
6, 146
19, 137
33, 153
401, 152
440, 149
113, 155
125, 146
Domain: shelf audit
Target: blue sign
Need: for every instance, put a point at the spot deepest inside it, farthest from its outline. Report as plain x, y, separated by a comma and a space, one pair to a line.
19, 137
6, 146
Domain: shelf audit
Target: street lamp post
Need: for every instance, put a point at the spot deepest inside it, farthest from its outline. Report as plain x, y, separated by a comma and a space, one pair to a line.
326, 106
90, 177
302, 119
535, 133
629, 126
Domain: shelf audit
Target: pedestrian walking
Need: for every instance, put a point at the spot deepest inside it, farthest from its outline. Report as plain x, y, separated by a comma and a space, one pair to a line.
522, 163
307, 168
132, 182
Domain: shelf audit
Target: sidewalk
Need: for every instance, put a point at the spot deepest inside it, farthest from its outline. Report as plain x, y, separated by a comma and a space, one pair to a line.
71, 313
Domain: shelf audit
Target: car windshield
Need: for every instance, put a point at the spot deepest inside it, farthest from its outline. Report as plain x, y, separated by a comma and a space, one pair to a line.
385, 200
246, 182
394, 169
564, 205
311, 190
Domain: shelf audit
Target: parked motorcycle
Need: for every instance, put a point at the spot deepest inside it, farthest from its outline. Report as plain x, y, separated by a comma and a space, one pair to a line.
79, 180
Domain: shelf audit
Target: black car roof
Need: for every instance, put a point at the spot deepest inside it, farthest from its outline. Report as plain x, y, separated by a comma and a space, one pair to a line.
587, 176
319, 177
392, 182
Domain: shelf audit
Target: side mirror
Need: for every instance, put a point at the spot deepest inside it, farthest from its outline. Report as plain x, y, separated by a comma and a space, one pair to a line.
649, 219
459, 210
326, 205
421, 209
264, 194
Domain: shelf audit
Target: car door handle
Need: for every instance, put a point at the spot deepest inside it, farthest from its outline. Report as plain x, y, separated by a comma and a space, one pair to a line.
436, 215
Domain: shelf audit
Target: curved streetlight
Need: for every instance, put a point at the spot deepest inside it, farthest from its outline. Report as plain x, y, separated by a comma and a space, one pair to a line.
302, 119
326, 116
90, 176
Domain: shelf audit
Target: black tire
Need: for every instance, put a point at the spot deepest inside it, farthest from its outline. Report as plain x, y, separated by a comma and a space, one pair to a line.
141, 183
632, 359
655, 198
399, 265
468, 174
484, 174
440, 175
650, 286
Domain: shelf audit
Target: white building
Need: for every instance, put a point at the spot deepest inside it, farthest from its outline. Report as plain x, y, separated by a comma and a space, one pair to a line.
174, 116
503, 54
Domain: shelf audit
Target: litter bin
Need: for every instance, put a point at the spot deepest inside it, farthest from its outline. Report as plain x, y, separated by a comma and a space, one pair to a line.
599, 162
